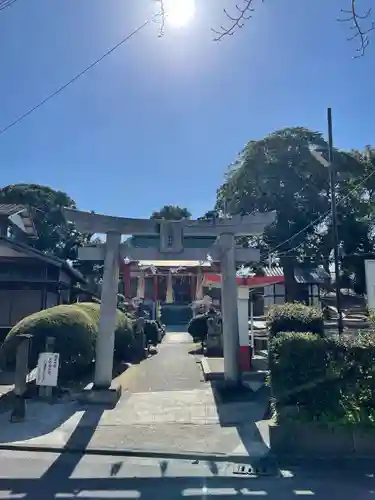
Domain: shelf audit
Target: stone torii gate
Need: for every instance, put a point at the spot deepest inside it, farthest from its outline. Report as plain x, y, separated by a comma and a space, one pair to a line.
171, 247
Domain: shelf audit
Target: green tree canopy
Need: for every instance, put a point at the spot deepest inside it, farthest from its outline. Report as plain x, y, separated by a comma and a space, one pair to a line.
55, 235
171, 212
279, 173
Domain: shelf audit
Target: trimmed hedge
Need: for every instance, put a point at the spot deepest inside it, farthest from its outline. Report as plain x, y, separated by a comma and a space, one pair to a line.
123, 333
75, 328
331, 381
151, 330
294, 317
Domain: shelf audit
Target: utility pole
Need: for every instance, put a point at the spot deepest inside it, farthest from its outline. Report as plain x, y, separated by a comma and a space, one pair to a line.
332, 182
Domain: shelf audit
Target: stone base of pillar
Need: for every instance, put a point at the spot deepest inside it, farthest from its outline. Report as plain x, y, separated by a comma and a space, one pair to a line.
229, 391
96, 396
245, 356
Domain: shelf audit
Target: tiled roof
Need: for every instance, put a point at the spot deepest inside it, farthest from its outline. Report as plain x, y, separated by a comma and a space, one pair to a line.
302, 275
9, 209
173, 263
273, 271
55, 261
317, 275
20, 216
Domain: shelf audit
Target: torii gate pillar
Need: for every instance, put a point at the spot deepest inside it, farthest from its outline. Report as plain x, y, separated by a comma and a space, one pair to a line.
229, 308
105, 341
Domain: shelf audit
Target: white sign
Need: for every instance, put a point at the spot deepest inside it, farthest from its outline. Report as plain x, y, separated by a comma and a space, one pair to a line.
47, 369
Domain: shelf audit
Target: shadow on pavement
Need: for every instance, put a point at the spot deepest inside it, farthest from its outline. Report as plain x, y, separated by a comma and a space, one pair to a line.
120, 368
61, 481
242, 409
58, 483
79, 439
6, 377
176, 329
6, 390
43, 418
197, 350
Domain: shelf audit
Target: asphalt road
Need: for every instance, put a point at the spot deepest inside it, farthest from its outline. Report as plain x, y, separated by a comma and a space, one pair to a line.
44, 476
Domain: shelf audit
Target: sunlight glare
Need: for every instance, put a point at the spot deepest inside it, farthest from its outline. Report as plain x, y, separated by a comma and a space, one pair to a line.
179, 12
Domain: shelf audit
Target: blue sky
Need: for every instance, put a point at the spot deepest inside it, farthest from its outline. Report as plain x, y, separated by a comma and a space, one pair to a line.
159, 120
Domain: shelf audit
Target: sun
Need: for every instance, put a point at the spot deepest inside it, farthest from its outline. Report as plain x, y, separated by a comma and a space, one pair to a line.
179, 12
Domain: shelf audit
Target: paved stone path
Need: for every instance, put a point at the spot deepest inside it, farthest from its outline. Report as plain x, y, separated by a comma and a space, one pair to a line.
166, 407
172, 369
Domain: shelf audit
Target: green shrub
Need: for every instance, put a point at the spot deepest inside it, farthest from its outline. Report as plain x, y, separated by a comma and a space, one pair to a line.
124, 337
123, 333
75, 328
371, 318
295, 317
198, 327
124, 325
91, 308
151, 330
328, 381
299, 360
74, 331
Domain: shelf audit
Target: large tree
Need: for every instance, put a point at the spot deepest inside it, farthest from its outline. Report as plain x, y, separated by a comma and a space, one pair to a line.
55, 235
356, 220
279, 173
171, 212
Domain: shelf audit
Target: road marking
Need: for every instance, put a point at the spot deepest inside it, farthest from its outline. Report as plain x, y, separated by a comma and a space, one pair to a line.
102, 494
203, 492
11, 496
247, 492
286, 473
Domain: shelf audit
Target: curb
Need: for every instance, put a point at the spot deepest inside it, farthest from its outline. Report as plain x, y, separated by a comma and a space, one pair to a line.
193, 456
208, 374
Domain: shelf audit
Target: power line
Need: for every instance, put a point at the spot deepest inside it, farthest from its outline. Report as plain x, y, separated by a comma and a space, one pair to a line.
77, 76
321, 217
6, 3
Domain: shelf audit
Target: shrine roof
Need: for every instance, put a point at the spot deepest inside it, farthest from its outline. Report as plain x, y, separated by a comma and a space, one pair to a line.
173, 263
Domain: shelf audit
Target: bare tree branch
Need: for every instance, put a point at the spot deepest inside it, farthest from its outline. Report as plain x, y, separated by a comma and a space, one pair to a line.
360, 33
238, 19
162, 15
360, 24
351, 15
